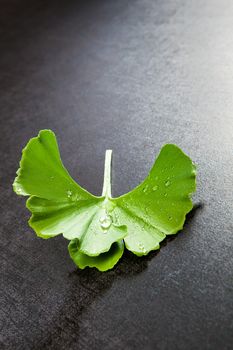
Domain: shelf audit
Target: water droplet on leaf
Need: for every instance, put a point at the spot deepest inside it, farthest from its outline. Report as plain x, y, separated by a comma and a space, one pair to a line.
116, 218
155, 188
69, 194
167, 183
145, 188
141, 247
105, 222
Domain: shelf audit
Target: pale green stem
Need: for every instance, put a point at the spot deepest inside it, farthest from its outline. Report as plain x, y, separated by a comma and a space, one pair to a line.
107, 174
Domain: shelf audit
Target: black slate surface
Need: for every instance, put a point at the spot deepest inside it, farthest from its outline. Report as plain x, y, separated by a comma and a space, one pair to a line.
131, 76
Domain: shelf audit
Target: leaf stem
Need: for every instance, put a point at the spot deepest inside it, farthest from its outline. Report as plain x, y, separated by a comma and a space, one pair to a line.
107, 174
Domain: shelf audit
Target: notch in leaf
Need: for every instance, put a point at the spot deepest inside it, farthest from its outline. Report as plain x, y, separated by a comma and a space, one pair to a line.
100, 227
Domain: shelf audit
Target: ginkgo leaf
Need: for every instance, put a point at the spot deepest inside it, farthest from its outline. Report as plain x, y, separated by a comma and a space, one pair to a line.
58, 204
95, 225
158, 206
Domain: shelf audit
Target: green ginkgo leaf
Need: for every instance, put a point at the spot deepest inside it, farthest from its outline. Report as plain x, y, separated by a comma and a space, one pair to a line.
95, 225
158, 206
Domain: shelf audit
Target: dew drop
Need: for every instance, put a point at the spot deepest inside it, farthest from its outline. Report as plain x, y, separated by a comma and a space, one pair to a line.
141, 247
51, 177
69, 194
105, 222
155, 188
145, 188
116, 218
165, 194
170, 218
167, 183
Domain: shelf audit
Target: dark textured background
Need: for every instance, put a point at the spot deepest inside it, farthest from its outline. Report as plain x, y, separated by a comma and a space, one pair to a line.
131, 76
